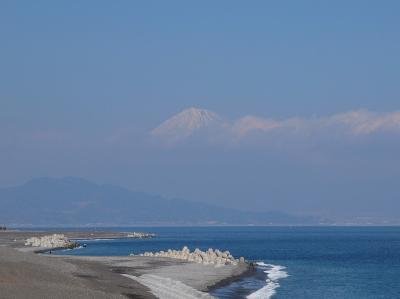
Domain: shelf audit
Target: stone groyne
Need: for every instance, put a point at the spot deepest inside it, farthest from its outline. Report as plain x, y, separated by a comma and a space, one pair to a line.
211, 256
51, 241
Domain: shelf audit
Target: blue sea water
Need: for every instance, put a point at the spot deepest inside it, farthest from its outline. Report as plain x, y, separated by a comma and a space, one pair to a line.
320, 262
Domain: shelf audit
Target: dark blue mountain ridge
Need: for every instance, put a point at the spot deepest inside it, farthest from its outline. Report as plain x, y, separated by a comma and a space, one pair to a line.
72, 201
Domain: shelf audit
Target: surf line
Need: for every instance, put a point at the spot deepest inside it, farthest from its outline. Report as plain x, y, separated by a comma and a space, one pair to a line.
274, 273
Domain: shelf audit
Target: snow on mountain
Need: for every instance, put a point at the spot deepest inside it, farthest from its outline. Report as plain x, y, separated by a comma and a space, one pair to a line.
186, 123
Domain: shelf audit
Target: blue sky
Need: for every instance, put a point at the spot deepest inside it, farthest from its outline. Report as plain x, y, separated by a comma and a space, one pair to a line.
74, 74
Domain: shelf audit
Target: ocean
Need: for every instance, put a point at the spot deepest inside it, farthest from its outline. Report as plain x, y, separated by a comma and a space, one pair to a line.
293, 262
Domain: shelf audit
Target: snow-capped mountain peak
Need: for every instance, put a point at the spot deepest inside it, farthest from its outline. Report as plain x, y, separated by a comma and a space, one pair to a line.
186, 123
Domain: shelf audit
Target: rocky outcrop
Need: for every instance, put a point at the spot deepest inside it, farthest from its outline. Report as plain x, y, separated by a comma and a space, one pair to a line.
215, 257
51, 241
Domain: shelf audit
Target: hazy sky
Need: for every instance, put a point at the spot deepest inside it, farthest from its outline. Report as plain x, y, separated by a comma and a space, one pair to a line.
83, 83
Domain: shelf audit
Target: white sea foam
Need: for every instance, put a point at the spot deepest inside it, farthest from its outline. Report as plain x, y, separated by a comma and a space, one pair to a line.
274, 273
69, 249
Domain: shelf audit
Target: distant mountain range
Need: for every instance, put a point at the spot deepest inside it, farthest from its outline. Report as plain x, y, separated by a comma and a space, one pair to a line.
77, 202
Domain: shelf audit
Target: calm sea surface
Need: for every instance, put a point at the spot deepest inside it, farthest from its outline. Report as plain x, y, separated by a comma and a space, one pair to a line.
299, 262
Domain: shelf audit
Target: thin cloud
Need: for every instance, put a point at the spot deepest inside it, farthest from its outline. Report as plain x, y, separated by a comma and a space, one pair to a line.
362, 122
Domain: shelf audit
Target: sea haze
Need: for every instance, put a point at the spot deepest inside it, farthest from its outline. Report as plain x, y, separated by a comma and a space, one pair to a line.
77, 202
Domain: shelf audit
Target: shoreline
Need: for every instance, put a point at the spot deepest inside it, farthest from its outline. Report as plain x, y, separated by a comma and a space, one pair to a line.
104, 276
251, 270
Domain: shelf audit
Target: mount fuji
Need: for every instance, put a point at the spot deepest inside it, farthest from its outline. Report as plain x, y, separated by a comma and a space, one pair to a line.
186, 123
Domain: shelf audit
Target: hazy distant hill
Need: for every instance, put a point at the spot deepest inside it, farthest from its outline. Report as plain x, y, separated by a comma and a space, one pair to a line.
74, 201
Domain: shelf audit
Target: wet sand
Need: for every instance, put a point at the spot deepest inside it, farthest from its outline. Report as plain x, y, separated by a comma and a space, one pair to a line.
30, 275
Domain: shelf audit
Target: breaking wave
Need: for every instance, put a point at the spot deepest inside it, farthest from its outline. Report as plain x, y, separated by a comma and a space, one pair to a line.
274, 273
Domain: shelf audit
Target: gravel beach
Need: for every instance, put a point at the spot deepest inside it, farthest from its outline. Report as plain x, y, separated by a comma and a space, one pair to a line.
25, 274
